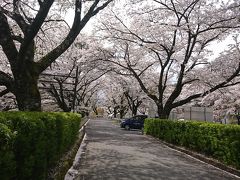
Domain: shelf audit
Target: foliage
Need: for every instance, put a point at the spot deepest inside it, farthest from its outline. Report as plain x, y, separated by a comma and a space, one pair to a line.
7, 164
29, 42
79, 73
32, 143
219, 141
224, 102
165, 46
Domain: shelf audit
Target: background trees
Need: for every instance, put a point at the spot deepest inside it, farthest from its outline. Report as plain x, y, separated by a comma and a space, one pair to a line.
164, 45
113, 93
74, 81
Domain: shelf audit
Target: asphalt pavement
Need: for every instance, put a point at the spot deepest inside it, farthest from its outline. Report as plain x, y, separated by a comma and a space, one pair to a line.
112, 153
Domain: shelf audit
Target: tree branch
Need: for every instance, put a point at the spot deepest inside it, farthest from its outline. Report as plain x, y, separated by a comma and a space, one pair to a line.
77, 26
5, 91
6, 40
35, 26
16, 16
216, 87
7, 81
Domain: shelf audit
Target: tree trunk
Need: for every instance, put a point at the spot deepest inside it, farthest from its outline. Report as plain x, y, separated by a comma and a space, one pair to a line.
134, 110
115, 112
59, 97
163, 113
27, 92
95, 109
122, 112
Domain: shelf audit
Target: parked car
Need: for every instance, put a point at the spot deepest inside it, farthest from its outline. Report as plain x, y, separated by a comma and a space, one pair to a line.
135, 122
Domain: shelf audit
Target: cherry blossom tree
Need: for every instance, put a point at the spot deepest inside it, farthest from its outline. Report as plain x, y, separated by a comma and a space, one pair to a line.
133, 93
113, 94
164, 45
22, 25
134, 102
72, 83
223, 101
79, 91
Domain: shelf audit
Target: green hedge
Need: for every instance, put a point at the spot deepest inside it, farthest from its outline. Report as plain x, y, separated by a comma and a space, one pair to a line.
217, 140
32, 142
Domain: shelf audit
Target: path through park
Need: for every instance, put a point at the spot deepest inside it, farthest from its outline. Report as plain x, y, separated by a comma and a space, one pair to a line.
112, 153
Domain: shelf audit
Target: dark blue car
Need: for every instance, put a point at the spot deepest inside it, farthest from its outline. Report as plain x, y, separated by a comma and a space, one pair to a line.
135, 122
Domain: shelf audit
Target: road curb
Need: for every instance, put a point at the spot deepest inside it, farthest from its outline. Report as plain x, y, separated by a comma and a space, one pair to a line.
72, 173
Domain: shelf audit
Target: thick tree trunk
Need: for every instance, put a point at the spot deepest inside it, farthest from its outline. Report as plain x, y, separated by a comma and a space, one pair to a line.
163, 113
27, 92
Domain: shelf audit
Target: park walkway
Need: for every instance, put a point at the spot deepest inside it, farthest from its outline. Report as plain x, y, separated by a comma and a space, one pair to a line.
112, 153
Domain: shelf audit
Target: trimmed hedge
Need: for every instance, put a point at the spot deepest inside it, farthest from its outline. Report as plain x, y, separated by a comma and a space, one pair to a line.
219, 141
32, 142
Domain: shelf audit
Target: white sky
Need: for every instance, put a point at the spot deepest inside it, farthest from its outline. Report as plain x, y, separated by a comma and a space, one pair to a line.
70, 17
218, 47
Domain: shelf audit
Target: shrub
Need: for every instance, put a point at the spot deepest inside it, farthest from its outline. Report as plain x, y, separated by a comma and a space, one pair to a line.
217, 140
7, 163
32, 142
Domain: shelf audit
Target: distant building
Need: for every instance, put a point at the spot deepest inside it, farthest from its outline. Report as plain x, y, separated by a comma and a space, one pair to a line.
198, 113
185, 112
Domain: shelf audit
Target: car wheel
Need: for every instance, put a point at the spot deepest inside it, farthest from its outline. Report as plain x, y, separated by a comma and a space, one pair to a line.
127, 127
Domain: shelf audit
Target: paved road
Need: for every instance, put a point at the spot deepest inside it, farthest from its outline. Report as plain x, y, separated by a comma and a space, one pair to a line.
115, 154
